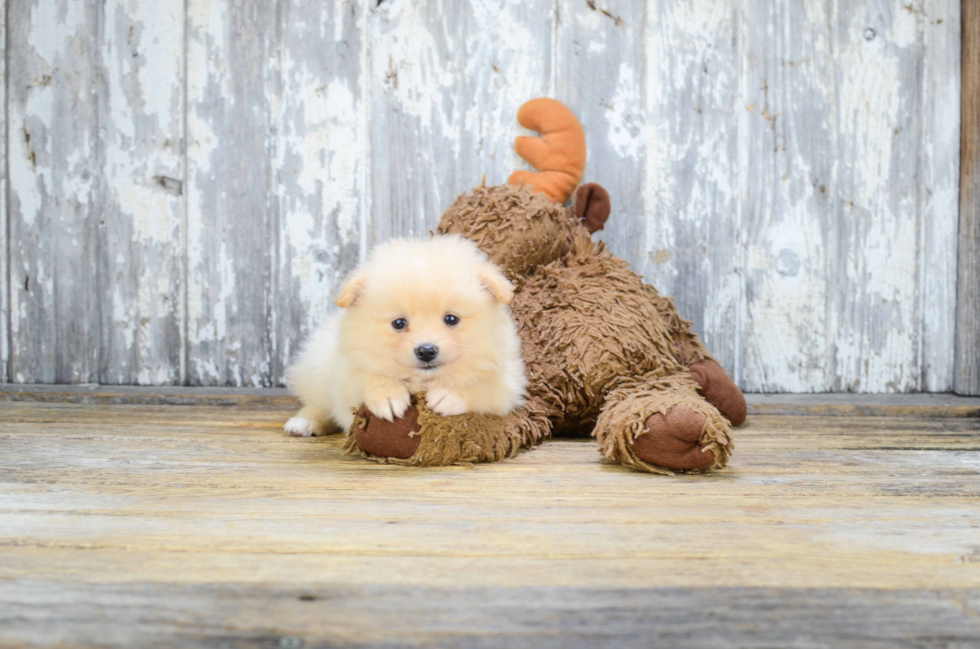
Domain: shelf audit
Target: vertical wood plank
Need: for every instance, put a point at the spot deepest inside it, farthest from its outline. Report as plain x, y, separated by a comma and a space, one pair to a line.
54, 168
939, 112
967, 373
321, 161
4, 242
142, 182
786, 168
874, 313
689, 213
600, 72
446, 79
232, 59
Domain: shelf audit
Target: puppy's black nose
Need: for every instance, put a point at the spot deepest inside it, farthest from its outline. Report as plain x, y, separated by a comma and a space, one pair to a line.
426, 352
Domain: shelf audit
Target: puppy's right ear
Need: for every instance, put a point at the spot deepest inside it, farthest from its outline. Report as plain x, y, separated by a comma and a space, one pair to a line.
351, 290
495, 282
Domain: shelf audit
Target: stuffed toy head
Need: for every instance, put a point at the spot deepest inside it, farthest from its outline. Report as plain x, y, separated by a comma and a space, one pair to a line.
521, 230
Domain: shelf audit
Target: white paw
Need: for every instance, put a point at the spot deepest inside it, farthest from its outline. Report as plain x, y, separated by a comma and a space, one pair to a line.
388, 402
302, 427
445, 403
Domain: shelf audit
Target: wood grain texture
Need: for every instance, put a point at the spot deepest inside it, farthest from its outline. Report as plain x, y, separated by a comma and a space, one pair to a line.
446, 79
786, 160
874, 273
232, 67
939, 100
967, 369
787, 171
692, 230
54, 167
141, 135
37, 614
655, 84
4, 241
207, 526
599, 72
321, 163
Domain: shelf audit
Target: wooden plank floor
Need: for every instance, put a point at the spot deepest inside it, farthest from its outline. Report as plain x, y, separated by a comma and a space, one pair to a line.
202, 526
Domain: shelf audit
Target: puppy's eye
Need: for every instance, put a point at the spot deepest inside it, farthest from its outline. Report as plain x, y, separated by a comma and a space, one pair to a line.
399, 323
451, 320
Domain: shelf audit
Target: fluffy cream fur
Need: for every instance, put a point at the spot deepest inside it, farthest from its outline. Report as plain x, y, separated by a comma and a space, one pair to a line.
358, 356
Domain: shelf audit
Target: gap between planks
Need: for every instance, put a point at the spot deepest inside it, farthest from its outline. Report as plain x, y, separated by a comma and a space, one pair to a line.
826, 405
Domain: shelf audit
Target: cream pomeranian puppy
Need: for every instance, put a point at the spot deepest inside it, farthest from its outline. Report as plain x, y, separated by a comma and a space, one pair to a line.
421, 315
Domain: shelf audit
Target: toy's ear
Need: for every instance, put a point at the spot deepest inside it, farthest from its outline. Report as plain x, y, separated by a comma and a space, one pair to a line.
495, 282
351, 290
592, 206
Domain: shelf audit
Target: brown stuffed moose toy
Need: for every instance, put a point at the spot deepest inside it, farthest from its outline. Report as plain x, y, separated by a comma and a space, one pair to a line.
603, 350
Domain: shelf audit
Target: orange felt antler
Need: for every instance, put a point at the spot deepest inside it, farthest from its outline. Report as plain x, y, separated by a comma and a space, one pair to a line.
558, 155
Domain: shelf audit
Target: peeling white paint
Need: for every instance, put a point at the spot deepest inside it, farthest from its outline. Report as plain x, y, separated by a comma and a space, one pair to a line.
876, 339
50, 22
787, 171
142, 114
322, 155
52, 148
689, 186
624, 133
5, 308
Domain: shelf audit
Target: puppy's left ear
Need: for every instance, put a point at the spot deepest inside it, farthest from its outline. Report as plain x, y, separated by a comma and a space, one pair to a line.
495, 282
350, 291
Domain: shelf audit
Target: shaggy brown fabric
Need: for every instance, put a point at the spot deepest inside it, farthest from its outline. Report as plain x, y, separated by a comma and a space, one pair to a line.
518, 229
602, 349
627, 412
463, 439
720, 391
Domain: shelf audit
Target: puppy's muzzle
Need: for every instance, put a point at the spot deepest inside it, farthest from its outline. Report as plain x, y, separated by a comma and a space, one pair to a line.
426, 352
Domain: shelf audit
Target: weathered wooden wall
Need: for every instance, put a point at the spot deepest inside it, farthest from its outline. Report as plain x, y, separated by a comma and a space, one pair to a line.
186, 181
966, 378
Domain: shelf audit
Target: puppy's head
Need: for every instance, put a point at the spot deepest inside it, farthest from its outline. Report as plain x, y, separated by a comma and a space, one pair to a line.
421, 309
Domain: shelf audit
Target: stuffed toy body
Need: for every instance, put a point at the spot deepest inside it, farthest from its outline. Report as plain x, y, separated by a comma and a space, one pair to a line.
604, 352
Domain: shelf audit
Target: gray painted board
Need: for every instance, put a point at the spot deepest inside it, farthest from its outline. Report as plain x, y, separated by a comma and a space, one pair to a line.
4, 245
688, 200
189, 182
141, 135
54, 163
785, 167
968, 284
938, 196
233, 51
446, 79
874, 276
321, 163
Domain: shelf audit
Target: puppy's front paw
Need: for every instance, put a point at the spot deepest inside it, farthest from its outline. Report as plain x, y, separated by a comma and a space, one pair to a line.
445, 402
387, 400
303, 427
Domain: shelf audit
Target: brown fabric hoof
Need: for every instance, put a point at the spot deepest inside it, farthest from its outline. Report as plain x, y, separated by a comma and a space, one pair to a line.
720, 391
672, 441
388, 438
